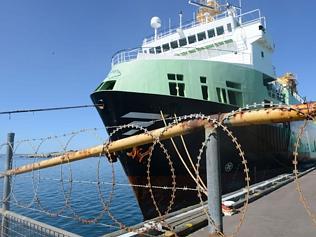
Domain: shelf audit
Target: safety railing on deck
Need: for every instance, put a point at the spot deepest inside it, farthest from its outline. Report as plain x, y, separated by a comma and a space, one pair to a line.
243, 19
203, 52
139, 53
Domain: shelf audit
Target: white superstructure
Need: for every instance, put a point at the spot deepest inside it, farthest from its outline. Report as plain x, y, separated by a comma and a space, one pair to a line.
215, 35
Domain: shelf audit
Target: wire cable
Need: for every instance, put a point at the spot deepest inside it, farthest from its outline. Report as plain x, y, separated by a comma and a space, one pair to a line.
49, 109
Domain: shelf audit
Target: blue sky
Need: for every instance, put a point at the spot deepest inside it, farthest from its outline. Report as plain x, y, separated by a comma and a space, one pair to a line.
56, 52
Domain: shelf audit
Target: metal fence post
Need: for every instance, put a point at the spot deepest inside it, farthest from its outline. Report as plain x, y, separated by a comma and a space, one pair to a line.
214, 190
7, 184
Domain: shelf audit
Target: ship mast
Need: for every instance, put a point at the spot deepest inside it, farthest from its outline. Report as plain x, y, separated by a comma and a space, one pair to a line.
208, 9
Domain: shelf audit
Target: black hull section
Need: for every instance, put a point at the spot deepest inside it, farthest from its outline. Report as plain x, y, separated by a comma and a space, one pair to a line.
266, 147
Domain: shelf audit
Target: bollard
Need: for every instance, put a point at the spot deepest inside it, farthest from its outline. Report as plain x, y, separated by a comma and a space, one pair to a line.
214, 191
7, 185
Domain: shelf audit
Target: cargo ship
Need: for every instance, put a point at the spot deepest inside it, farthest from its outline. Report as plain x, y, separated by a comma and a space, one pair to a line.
219, 62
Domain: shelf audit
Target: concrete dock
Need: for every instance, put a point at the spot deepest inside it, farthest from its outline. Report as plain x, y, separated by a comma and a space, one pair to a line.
279, 213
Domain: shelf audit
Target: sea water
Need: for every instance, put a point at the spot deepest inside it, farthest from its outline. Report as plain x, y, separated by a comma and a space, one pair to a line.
72, 190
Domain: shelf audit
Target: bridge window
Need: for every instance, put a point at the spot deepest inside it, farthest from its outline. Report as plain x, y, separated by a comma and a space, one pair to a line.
211, 33
183, 42
220, 30
152, 50
229, 27
165, 47
158, 49
201, 36
174, 44
192, 39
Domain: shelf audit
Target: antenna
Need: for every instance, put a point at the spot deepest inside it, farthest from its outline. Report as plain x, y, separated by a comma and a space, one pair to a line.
169, 24
180, 16
240, 7
211, 7
215, 5
198, 4
206, 15
155, 23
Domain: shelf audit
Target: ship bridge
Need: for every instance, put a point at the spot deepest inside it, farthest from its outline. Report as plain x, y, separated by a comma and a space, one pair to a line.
215, 35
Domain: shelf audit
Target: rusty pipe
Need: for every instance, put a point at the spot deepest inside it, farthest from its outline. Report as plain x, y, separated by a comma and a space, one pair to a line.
242, 118
272, 115
123, 144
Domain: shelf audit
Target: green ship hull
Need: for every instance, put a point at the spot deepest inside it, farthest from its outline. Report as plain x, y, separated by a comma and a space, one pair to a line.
138, 92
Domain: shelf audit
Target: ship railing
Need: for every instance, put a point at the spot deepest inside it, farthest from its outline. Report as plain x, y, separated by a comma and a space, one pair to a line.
202, 52
186, 25
188, 53
135, 53
279, 96
166, 32
126, 55
243, 19
273, 87
298, 97
252, 17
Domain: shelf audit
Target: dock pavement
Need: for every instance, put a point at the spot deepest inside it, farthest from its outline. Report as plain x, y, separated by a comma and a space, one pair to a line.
280, 213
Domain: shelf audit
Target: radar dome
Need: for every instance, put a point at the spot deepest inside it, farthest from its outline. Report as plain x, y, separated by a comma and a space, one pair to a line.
155, 22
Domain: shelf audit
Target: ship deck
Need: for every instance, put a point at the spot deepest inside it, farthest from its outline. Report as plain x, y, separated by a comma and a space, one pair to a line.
279, 213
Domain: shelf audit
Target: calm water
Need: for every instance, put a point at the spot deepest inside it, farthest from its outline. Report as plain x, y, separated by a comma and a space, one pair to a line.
84, 199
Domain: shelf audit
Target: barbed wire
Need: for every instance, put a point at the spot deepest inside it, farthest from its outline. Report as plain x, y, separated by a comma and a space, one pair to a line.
91, 182
63, 216
84, 131
66, 184
299, 188
48, 109
214, 124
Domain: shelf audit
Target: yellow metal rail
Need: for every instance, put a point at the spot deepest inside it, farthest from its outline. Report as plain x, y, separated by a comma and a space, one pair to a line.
242, 118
